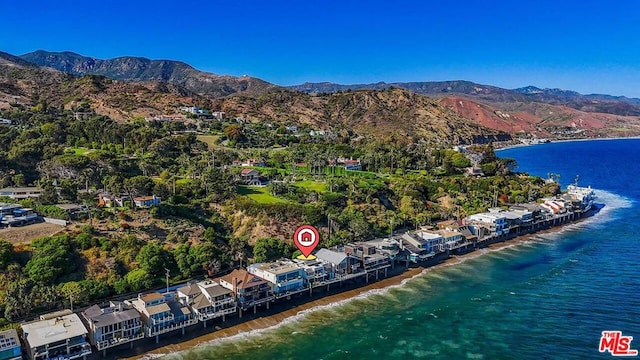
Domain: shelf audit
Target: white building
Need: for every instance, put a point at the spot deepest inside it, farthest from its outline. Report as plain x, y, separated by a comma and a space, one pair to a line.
315, 271
283, 275
60, 335
195, 110
17, 193
494, 221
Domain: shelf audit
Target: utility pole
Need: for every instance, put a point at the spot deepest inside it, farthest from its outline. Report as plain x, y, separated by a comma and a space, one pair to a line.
391, 228
167, 276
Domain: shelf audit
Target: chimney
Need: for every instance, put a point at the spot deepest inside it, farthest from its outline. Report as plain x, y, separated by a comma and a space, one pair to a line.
235, 287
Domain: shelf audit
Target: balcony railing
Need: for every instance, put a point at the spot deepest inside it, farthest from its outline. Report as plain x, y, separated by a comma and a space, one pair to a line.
105, 344
151, 331
216, 314
84, 350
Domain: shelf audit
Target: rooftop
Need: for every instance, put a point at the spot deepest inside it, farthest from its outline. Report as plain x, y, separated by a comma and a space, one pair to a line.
333, 257
104, 317
20, 189
429, 235
7, 206
9, 339
157, 309
213, 289
447, 233
277, 267
43, 332
245, 279
190, 290
200, 302
151, 296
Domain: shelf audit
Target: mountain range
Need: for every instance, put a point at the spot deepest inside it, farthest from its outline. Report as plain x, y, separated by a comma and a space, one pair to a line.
126, 87
131, 68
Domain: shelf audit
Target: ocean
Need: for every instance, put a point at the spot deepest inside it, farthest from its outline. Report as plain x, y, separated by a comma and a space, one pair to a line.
547, 298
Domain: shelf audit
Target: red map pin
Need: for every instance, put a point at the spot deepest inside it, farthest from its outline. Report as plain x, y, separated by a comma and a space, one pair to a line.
306, 239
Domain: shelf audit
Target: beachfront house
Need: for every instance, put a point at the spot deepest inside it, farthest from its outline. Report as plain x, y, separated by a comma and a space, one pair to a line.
452, 239
284, 276
523, 216
18, 193
494, 221
422, 244
535, 209
371, 259
10, 345
162, 313
554, 206
59, 335
315, 272
342, 264
207, 300
249, 290
113, 325
389, 247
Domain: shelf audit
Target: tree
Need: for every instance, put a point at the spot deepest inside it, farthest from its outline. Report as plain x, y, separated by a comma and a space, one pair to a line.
153, 259
19, 299
52, 258
233, 132
6, 254
193, 260
139, 279
73, 290
266, 249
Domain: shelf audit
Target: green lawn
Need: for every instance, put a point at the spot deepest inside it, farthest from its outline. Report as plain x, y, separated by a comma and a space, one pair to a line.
260, 195
79, 151
310, 185
210, 140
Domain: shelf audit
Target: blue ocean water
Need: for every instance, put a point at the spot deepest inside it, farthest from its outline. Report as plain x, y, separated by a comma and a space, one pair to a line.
549, 298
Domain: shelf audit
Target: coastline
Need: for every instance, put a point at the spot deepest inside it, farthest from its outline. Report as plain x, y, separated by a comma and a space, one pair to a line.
195, 336
569, 140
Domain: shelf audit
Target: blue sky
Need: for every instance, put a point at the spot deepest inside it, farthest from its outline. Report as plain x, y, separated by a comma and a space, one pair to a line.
587, 46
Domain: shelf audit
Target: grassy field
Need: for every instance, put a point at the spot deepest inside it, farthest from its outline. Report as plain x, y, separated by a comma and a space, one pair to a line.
79, 151
259, 194
182, 181
310, 185
210, 140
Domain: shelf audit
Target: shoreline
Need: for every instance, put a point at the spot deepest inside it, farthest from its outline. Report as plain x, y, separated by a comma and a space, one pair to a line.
569, 140
195, 337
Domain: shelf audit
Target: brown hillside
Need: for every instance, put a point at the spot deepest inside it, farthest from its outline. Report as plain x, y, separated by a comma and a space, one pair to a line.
28, 85
492, 118
367, 112
531, 118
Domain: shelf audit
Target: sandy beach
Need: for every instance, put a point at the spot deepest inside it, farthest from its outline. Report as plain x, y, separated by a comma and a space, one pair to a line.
279, 312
